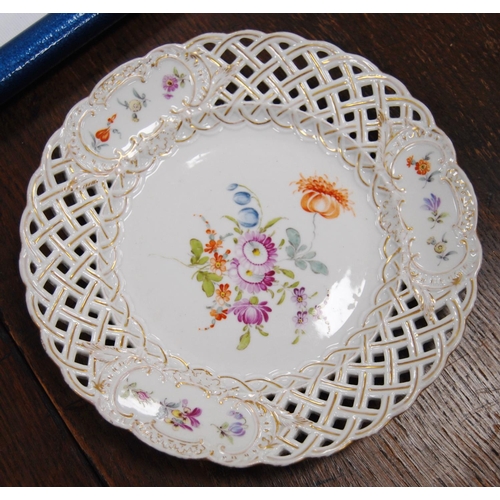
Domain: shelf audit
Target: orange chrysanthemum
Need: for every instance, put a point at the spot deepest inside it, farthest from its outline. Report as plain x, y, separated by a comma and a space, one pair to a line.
218, 315
409, 161
422, 167
223, 294
321, 196
213, 245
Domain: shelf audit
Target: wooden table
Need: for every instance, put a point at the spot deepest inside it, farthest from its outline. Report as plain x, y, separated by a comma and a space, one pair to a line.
450, 436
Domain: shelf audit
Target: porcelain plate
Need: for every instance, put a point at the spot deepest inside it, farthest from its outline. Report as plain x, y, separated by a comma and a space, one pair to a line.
250, 248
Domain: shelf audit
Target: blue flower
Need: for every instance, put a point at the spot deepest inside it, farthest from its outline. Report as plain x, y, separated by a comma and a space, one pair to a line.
232, 187
248, 217
242, 198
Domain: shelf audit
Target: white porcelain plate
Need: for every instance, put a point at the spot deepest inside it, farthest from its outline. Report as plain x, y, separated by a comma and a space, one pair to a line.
250, 248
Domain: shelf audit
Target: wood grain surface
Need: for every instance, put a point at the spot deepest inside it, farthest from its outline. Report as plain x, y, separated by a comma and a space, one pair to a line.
450, 436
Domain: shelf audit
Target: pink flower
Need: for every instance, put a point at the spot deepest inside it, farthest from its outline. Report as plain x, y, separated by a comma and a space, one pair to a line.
257, 252
251, 312
142, 395
170, 83
249, 280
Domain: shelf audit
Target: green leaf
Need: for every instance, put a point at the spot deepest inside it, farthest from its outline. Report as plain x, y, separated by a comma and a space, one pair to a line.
214, 277
302, 248
301, 264
282, 242
288, 273
318, 267
194, 260
176, 73
232, 219
294, 285
293, 237
208, 287
282, 299
238, 297
201, 275
271, 292
296, 340
312, 311
309, 255
444, 214
244, 341
262, 332
203, 260
430, 219
235, 239
196, 248
290, 251
239, 231
225, 425
272, 222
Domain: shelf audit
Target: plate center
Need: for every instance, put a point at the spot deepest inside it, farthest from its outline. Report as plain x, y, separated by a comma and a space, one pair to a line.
251, 252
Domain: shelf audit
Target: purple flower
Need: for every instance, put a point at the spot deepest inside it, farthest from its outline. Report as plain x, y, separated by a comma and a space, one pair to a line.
432, 203
251, 312
248, 279
299, 297
170, 83
236, 414
301, 318
236, 429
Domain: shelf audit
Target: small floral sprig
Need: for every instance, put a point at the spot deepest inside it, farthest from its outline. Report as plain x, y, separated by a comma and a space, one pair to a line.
299, 298
440, 248
142, 396
171, 83
423, 168
102, 136
179, 415
432, 204
135, 105
235, 429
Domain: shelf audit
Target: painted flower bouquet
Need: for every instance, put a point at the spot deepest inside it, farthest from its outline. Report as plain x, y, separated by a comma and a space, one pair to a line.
247, 280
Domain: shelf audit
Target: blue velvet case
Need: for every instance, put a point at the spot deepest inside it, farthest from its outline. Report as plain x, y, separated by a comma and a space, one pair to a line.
39, 48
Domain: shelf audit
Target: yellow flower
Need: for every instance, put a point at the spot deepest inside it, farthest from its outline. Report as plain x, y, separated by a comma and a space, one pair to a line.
440, 248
